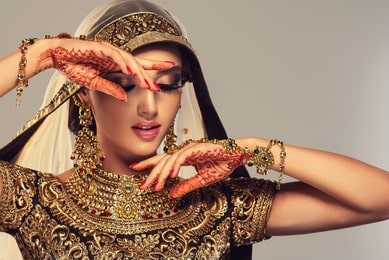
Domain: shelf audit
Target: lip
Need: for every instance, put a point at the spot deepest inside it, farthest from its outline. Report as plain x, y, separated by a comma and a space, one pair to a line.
146, 130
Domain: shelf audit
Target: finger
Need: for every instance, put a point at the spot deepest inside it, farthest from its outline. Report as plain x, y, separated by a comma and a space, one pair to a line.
185, 187
134, 68
89, 77
151, 179
108, 87
165, 172
148, 64
146, 164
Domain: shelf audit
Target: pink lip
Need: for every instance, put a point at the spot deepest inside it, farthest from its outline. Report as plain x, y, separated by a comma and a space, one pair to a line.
146, 130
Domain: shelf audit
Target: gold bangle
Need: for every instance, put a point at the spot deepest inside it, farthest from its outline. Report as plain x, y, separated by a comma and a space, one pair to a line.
22, 80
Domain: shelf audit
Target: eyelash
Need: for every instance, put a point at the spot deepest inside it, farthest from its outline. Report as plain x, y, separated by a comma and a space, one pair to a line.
164, 87
169, 87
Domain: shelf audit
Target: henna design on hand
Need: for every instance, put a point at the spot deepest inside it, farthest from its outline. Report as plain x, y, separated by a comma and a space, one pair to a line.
99, 61
82, 67
211, 166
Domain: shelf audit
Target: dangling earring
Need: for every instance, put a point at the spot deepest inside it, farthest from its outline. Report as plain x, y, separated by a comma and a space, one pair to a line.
87, 155
170, 141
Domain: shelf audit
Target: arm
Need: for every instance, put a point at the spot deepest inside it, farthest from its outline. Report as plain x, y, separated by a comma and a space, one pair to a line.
334, 191
82, 61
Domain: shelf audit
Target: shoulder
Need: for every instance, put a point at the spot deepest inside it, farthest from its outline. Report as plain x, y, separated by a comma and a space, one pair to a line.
251, 201
20, 187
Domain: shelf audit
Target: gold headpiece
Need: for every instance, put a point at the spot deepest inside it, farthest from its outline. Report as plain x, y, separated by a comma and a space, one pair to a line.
138, 29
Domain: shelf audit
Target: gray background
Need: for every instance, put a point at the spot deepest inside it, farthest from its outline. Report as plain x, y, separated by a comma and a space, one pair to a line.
312, 73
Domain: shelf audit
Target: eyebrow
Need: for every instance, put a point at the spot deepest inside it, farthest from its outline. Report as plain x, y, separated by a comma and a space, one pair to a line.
173, 69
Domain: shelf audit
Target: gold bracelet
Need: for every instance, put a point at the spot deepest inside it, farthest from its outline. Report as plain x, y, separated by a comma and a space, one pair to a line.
22, 80
263, 158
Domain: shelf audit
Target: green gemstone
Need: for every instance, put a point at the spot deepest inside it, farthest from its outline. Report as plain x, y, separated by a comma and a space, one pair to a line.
128, 188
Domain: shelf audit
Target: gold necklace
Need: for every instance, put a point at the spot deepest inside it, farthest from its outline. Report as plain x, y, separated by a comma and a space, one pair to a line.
115, 196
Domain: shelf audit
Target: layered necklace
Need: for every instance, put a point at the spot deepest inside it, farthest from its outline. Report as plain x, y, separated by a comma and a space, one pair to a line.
116, 196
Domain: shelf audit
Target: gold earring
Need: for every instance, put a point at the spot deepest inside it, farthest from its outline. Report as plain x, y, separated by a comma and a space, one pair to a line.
87, 155
170, 141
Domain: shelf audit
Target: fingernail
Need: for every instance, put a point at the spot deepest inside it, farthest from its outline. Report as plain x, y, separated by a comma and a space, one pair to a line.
129, 71
158, 87
142, 184
171, 172
132, 165
155, 187
170, 62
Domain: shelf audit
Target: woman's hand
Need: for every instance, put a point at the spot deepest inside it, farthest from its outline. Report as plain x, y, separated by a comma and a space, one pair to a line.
83, 62
211, 161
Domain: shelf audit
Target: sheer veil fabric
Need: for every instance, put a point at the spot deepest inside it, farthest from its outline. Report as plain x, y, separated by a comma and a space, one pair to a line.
45, 143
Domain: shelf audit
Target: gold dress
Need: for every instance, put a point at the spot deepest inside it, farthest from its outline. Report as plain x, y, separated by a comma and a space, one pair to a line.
47, 224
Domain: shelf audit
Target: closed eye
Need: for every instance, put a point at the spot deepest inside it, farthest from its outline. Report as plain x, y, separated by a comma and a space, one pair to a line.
169, 87
127, 82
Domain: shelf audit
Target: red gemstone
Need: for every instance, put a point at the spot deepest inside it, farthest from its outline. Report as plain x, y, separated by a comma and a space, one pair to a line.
107, 214
72, 157
93, 211
146, 217
160, 215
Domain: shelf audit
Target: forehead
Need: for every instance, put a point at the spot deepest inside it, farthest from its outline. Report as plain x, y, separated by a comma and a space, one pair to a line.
160, 52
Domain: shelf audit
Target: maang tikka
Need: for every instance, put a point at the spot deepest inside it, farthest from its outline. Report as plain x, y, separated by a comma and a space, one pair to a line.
87, 155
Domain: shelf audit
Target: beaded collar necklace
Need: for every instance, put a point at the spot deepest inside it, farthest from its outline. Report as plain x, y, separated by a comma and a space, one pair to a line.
115, 196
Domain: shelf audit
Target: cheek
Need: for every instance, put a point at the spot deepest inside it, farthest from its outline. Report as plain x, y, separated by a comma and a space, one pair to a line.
108, 111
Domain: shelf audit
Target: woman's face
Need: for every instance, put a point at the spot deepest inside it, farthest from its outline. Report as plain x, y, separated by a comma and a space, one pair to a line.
132, 131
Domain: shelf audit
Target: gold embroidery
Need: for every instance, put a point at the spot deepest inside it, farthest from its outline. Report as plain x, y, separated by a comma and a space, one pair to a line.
215, 244
122, 30
252, 200
54, 228
15, 203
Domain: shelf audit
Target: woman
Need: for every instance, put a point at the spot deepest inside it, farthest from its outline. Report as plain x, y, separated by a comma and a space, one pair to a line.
129, 132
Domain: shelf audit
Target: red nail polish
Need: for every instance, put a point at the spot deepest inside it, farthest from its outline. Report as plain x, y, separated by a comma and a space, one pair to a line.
132, 165
157, 86
129, 71
142, 184
170, 62
155, 187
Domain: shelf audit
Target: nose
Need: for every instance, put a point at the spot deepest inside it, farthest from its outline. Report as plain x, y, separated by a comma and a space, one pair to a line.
147, 104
